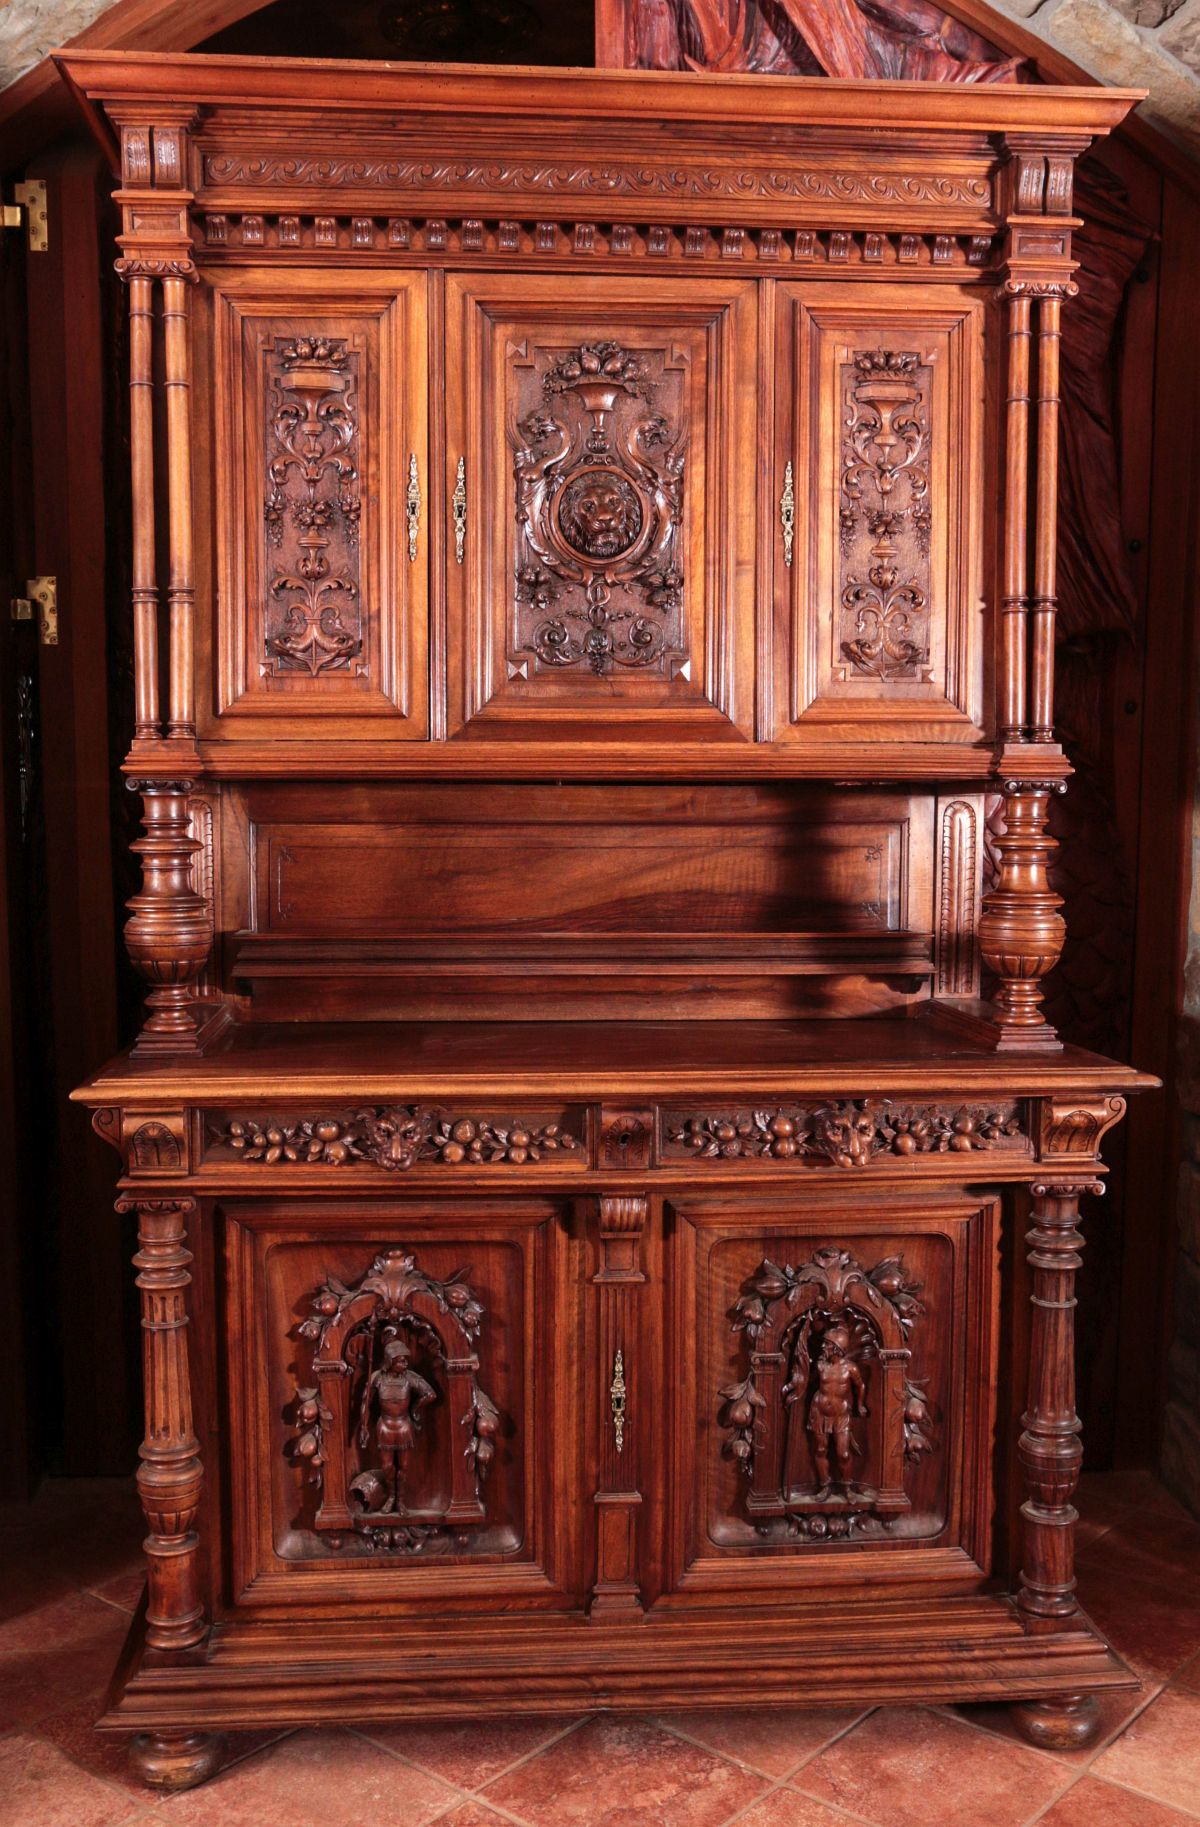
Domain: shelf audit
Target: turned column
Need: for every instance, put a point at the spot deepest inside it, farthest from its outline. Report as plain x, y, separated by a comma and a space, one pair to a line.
169, 1477
1051, 1451
1014, 605
141, 448
617, 1498
1050, 1448
168, 932
181, 587
1021, 930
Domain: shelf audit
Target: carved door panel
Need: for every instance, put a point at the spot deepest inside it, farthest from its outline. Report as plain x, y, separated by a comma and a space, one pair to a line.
400, 1428
878, 491
835, 1402
601, 565
319, 437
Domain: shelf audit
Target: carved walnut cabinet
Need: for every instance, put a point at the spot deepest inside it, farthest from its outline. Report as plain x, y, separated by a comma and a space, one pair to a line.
594, 598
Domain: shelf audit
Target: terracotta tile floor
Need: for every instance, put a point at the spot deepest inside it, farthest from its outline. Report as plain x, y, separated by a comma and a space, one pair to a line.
69, 1580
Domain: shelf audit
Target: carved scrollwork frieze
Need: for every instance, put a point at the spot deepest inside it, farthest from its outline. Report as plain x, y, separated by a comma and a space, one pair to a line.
850, 1133
612, 177
395, 1138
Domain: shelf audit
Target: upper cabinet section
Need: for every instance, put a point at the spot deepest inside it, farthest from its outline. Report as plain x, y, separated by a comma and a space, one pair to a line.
542, 423
318, 411
601, 454
882, 473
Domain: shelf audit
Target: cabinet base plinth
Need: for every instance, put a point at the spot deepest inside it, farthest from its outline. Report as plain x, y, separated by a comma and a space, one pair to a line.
276, 1673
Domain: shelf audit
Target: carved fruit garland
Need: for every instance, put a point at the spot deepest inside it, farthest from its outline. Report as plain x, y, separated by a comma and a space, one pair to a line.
847, 1134
395, 1137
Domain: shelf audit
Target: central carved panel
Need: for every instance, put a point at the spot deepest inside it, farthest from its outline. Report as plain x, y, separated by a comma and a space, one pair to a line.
598, 438
884, 516
312, 618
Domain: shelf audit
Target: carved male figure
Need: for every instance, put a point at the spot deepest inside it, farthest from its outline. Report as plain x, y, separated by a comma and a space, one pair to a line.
840, 1393
401, 1394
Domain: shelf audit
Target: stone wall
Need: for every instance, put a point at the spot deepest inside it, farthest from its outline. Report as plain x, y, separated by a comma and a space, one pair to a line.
1136, 44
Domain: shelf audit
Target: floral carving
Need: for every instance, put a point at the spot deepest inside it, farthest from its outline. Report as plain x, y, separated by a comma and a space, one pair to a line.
394, 1355
826, 1418
599, 504
884, 516
395, 1137
312, 506
848, 1134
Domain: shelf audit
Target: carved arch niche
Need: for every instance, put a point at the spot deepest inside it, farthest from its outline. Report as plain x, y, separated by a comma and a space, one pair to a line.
833, 1340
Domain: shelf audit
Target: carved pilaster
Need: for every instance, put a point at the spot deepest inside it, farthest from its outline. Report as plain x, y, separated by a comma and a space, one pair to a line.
1050, 1448
168, 933
170, 1475
618, 1499
1021, 931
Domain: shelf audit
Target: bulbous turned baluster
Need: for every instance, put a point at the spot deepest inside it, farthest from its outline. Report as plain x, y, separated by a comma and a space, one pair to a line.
1021, 931
168, 933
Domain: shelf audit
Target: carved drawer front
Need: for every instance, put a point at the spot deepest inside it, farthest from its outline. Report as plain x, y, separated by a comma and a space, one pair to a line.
392, 1433
319, 425
834, 1401
601, 574
877, 497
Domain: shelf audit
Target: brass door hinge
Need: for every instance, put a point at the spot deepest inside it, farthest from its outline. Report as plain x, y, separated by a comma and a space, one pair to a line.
30, 207
44, 592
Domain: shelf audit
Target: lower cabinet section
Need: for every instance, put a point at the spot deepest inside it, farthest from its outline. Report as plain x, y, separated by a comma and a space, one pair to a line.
609, 1402
550, 1449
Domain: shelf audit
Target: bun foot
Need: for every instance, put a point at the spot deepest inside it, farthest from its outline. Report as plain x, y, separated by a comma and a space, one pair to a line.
1063, 1724
176, 1760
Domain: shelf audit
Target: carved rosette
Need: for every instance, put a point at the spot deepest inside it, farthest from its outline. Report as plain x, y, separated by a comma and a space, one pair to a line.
394, 1359
313, 615
884, 516
846, 1134
598, 459
827, 1416
394, 1137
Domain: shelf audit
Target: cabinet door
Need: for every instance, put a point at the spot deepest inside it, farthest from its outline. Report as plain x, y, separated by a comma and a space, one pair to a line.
835, 1402
403, 1415
319, 419
601, 449
879, 481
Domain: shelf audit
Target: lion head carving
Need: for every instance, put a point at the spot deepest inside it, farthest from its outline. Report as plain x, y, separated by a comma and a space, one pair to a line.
600, 514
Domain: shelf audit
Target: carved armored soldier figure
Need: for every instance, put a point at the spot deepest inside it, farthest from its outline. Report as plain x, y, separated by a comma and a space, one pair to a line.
840, 1394
401, 1394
